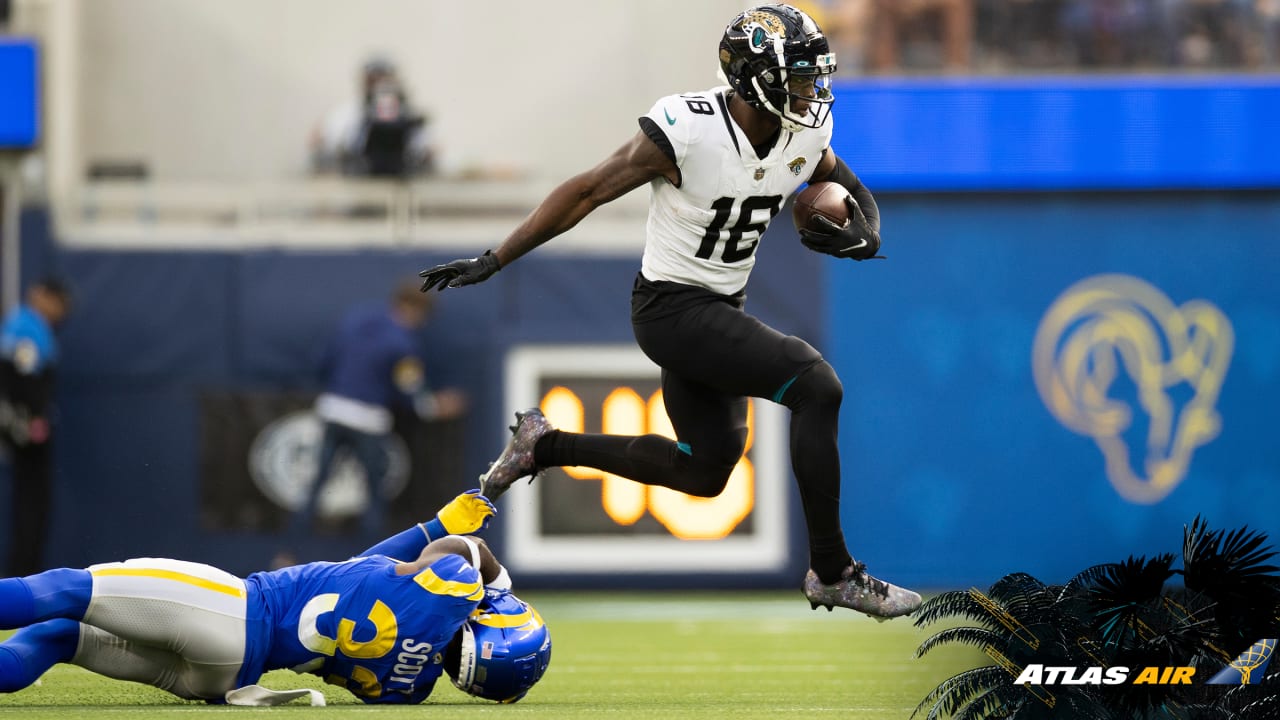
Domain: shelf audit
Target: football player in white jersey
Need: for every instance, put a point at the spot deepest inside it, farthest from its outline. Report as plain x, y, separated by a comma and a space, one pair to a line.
720, 164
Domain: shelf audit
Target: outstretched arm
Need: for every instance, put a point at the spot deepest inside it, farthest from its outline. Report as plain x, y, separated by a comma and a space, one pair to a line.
467, 513
630, 166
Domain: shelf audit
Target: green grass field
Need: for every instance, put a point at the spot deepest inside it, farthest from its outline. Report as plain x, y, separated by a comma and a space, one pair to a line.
664, 656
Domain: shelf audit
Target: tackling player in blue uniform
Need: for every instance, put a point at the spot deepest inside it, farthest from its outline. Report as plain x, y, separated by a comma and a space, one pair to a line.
382, 627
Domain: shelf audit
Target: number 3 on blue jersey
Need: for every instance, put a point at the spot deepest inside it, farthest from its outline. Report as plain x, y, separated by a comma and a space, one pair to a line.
386, 630
380, 616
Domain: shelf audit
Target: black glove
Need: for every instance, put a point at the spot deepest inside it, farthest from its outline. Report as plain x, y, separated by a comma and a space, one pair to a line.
857, 240
460, 272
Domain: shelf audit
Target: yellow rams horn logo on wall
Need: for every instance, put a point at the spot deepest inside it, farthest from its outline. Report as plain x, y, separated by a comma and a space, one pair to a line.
1107, 325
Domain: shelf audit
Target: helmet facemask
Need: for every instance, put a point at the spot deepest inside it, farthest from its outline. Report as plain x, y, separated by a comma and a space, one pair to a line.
801, 99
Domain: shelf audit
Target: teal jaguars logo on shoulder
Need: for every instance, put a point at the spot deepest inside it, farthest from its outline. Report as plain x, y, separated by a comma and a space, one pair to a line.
1112, 353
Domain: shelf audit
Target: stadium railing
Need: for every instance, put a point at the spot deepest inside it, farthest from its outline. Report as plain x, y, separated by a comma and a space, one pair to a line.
326, 212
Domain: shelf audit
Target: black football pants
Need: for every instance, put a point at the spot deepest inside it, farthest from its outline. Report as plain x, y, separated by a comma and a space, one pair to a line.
713, 357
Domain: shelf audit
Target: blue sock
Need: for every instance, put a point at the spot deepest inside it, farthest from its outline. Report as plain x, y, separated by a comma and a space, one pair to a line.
61, 593
33, 650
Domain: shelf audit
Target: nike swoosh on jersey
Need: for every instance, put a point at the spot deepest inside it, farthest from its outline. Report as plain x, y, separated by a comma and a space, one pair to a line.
670, 120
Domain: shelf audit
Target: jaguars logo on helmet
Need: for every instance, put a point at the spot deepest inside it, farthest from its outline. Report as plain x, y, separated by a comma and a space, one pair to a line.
778, 60
762, 27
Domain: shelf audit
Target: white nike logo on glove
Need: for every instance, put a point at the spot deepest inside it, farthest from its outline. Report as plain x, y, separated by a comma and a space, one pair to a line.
862, 242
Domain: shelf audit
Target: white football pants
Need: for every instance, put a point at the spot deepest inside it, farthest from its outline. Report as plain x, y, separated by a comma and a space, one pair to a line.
178, 626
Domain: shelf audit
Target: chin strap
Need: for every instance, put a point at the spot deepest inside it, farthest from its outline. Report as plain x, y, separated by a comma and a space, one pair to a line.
789, 123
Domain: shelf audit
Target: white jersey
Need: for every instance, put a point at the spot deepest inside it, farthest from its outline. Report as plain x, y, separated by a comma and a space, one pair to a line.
704, 230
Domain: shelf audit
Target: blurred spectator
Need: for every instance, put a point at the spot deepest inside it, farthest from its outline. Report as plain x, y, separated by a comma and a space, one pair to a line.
1267, 13
845, 23
1023, 34
1214, 33
1165, 33
380, 134
919, 34
1037, 35
1110, 33
28, 359
371, 368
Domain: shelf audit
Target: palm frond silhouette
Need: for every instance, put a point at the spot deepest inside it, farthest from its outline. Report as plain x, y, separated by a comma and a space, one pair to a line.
1130, 614
1233, 570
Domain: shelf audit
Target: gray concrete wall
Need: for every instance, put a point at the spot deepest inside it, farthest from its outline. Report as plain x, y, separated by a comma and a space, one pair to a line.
230, 89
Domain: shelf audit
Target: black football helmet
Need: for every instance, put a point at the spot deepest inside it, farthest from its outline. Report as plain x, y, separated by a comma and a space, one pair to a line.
778, 60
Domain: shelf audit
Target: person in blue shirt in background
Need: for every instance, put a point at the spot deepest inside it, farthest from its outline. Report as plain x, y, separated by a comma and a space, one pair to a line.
372, 368
28, 359
384, 625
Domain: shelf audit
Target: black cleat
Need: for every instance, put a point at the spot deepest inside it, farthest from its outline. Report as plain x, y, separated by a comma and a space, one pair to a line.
516, 460
858, 590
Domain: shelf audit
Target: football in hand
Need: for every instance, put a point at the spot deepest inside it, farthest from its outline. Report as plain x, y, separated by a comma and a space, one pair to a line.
823, 198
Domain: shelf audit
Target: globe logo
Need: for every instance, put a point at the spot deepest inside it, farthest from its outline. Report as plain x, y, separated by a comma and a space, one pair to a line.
1240, 671
1253, 658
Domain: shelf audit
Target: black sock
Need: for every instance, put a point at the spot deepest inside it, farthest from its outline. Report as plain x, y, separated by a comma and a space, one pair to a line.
828, 557
814, 399
648, 459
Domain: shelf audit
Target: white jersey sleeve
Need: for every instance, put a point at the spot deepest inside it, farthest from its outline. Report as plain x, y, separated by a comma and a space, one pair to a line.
703, 230
673, 137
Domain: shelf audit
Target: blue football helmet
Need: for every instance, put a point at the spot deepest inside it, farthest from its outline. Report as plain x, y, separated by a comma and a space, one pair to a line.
502, 649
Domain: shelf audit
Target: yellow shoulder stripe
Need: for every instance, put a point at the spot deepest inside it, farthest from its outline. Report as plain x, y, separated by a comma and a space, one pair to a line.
437, 585
171, 575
